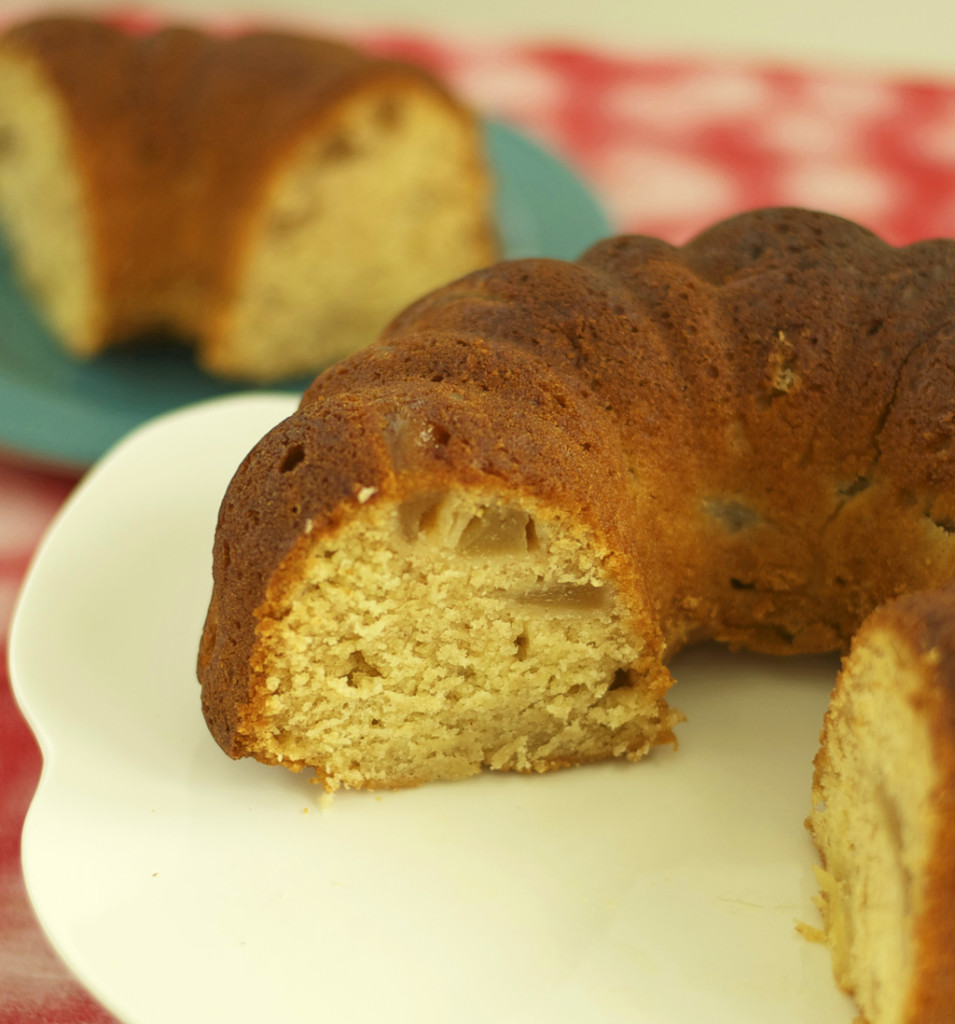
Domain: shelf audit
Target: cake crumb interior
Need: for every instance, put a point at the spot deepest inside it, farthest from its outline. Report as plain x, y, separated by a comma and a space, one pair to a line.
430, 638
44, 215
873, 795
366, 217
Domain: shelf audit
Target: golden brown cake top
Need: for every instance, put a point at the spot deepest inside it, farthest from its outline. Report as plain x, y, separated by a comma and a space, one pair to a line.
257, 86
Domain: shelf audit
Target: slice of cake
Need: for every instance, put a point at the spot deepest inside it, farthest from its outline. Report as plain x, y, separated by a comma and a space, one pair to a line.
272, 198
884, 814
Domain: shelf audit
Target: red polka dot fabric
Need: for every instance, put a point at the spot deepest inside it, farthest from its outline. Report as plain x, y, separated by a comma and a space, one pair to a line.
669, 146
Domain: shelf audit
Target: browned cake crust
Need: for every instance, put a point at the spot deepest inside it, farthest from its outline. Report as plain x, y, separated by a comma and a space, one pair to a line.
178, 136
758, 426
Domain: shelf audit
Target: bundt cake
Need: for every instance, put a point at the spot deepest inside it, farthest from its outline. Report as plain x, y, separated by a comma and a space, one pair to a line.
272, 198
883, 813
478, 543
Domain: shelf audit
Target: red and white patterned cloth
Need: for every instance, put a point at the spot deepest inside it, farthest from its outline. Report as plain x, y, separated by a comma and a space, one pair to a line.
669, 146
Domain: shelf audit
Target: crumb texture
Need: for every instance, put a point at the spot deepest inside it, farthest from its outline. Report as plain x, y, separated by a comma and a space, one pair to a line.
383, 204
446, 633
42, 210
880, 827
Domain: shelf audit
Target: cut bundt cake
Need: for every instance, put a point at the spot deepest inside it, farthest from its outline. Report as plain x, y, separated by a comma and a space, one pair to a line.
884, 814
479, 542
272, 198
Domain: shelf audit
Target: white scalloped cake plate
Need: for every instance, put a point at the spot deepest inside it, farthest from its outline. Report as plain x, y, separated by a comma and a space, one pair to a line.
62, 412
182, 886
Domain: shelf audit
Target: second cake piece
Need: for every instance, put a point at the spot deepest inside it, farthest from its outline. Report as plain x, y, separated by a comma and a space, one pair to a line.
271, 198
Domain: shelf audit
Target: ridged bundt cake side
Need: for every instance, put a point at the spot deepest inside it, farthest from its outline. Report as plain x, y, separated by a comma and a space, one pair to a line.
479, 542
746, 440
271, 197
883, 813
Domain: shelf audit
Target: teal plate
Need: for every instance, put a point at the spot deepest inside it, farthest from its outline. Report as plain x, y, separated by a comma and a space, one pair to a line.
62, 413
